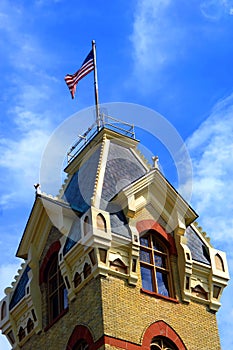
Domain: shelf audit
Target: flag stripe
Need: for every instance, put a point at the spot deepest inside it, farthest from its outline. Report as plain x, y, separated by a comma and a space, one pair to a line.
73, 79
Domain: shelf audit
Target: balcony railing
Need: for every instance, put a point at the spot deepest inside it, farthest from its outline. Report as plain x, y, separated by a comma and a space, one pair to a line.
105, 121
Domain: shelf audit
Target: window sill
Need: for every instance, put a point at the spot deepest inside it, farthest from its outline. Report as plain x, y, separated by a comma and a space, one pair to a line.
56, 319
159, 296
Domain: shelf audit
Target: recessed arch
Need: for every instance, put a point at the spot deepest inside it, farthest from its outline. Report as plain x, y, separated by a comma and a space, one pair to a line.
30, 325
77, 279
21, 333
80, 333
146, 225
219, 262
101, 222
86, 270
155, 266
54, 249
53, 285
158, 329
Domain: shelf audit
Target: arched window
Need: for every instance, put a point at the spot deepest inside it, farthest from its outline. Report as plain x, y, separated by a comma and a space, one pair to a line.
219, 263
57, 293
80, 339
21, 333
86, 270
30, 325
162, 343
77, 279
155, 266
160, 336
3, 310
101, 222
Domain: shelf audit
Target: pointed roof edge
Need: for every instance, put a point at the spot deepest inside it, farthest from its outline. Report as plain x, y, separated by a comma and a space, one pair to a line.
34, 218
130, 189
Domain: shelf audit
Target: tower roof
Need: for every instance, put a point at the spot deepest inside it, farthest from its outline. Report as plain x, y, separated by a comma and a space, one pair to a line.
104, 167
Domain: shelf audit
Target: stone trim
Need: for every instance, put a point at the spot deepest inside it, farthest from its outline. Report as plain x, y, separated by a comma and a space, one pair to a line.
159, 296
80, 332
146, 225
161, 328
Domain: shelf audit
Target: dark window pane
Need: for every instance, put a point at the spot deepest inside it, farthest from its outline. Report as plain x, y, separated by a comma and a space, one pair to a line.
146, 278
162, 283
160, 261
145, 256
60, 278
53, 269
158, 246
53, 284
54, 307
144, 241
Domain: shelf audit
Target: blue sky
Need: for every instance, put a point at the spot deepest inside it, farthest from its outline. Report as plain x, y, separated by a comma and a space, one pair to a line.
174, 57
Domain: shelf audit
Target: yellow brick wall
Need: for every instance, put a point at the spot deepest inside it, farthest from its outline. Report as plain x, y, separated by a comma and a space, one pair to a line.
86, 309
128, 313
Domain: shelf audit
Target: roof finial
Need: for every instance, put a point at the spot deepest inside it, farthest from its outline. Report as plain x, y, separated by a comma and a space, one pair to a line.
37, 187
155, 160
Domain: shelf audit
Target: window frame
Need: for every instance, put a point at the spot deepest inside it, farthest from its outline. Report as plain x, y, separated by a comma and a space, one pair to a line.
152, 236
58, 292
162, 343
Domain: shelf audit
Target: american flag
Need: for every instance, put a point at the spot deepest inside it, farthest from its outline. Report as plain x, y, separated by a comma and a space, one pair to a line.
73, 79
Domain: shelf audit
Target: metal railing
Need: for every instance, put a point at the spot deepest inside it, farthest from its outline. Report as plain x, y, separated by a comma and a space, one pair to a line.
105, 121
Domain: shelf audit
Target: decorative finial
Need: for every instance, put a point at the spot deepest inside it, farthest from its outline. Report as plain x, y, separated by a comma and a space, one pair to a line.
155, 160
37, 187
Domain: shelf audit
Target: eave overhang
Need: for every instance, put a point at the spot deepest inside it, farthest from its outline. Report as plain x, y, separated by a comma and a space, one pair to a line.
162, 190
44, 208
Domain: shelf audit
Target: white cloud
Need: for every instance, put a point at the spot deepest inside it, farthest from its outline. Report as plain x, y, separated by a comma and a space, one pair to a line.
211, 149
21, 150
159, 38
29, 112
148, 38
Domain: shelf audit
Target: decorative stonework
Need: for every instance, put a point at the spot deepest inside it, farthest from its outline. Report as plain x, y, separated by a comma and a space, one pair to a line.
201, 281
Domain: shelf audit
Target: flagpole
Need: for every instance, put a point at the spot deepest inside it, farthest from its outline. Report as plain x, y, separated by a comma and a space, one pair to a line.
96, 86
